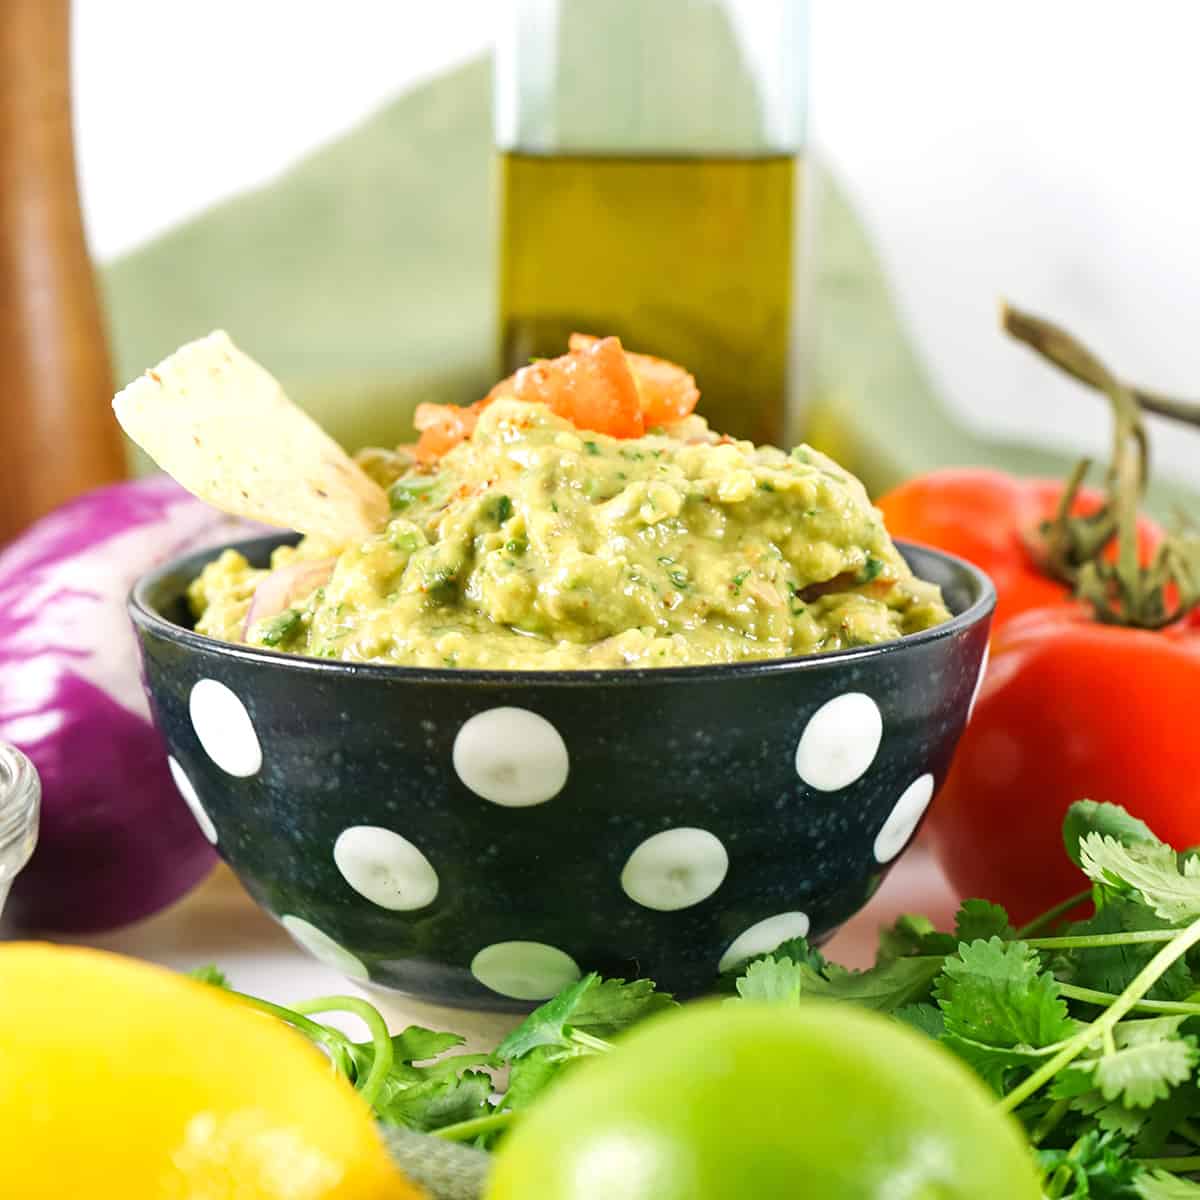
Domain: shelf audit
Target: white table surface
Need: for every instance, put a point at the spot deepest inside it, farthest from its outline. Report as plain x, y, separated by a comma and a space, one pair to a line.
219, 923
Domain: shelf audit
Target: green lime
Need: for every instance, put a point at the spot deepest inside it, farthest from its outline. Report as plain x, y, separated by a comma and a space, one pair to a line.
724, 1101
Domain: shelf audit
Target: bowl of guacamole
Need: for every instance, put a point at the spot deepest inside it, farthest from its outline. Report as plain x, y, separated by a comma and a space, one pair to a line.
572, 683
535, 545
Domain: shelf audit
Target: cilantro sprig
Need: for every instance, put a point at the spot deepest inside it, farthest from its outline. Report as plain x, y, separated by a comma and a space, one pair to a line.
418, 1080
1088, 1031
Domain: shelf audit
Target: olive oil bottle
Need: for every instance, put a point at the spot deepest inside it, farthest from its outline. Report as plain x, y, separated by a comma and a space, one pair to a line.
689, 258
650, 165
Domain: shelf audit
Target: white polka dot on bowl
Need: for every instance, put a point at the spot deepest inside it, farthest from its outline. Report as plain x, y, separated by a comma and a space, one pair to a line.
512, 757
385, 868
840, 742
192, 800
524, 970
323, 948
904, 818
224, 728
763, 936
675, 869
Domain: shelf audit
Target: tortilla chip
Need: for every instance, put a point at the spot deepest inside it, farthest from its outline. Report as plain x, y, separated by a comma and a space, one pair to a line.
220, 424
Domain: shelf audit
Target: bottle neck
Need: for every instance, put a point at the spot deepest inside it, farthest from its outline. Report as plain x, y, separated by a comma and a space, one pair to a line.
669, 78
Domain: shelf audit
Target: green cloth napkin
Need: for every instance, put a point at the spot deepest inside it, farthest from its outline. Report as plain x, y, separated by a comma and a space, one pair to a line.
363, 278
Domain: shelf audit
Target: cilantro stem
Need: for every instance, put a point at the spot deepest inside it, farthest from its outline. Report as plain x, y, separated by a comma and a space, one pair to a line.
1095, 940
1091, 996
1110, 1042
1050, 1121
1176, 1165
466, 1131
599, 1045
381, 1039
1099, 1029
1063, 1176
1058, 1181
1052, 914
331, 1040
1189, 1131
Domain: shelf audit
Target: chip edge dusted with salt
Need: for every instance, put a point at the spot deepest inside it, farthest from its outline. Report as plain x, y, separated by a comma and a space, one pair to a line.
222, 426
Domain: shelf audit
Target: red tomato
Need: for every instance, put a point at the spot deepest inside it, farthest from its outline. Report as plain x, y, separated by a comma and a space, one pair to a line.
1070, 709
991, 519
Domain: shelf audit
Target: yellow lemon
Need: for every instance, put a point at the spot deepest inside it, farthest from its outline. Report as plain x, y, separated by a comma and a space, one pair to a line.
121, 1079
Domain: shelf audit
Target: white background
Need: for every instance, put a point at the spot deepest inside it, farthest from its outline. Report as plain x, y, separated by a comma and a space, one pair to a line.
1043, 151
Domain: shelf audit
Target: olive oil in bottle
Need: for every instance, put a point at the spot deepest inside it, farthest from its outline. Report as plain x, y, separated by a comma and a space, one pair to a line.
686, 257
650, 156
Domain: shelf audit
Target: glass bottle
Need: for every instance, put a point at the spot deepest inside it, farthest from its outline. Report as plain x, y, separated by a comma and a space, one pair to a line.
650, 168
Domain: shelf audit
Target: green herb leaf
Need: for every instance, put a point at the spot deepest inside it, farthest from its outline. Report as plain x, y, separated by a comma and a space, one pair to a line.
611, 1005
1110, 1116
796, 949
598, 1007
1149, 1060
1163, 1119
532, 1073
996, 1065
1149, 870
884, 988
279, 628
209, 973
995, 992
1098, 1167
980, 919
1108, 820
440, 1092
912, 934
436, 1102
775, 980
925, 1018
1113, 968
1159, 1185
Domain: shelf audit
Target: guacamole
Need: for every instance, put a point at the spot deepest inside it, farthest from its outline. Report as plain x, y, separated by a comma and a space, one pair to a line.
537, 545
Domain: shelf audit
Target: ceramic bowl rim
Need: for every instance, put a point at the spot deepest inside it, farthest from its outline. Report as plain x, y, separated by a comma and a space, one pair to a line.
147, 617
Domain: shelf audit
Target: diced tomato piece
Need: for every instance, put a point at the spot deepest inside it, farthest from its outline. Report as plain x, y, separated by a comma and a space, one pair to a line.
442, 427
668, 392
593, 388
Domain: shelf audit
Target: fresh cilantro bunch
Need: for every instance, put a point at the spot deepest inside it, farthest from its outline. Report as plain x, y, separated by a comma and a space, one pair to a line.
1086, 1031
413, 1080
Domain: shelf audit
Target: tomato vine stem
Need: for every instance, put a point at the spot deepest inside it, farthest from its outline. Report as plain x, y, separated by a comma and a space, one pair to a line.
1076, 548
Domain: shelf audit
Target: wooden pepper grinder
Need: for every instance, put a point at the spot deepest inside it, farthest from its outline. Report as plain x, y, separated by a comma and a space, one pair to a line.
57, 433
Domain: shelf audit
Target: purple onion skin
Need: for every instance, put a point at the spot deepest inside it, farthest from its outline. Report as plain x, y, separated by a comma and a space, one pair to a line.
117, 842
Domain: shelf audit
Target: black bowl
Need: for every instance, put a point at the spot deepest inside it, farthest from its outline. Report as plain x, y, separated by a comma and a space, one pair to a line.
478, 838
